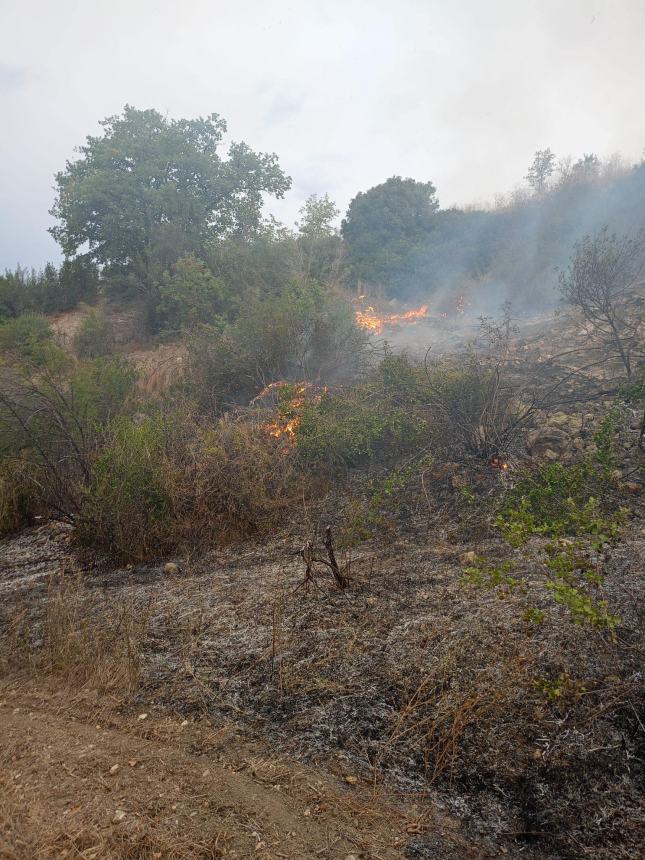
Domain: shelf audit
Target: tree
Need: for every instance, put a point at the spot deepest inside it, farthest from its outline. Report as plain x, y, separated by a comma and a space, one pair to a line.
384, 228
602, 281
319, 246
150, 190
317, 216
586, 168
189, 295
541, 170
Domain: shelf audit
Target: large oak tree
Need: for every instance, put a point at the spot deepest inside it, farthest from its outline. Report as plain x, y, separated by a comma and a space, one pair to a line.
149, 190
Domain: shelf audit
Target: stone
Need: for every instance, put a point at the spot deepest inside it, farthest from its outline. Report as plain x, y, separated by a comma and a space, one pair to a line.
171, 568
469, 557
544, 439
632, 487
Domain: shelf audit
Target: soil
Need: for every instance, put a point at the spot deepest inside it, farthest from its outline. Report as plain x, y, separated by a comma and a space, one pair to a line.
81, 778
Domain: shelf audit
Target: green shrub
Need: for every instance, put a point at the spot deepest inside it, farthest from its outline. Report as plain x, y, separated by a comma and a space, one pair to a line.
125, 500
26, 338
303, 334
100, 389
94, 338
553, 499
350, 428
189, 294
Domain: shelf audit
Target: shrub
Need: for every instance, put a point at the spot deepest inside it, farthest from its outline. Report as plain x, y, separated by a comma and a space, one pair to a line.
125, 500
100, 390
189, 294
304, 334
26, 338
349, 428
18, 501
556, 500
165, 482
94, 338
55, 423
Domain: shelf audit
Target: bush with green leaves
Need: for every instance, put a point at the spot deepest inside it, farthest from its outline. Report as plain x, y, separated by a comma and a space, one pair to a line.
571, 574
26, 338
94, 338
125, 499
554, 499
350, 428
303, 334
189, 294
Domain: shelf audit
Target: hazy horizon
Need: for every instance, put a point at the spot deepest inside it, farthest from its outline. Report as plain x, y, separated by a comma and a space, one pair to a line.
347, 94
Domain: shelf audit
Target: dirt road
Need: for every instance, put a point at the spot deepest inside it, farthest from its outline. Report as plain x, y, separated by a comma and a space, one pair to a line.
81, 778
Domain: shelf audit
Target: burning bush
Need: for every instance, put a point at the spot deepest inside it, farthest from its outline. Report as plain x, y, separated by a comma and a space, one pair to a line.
167, 482
375, 420
303, 334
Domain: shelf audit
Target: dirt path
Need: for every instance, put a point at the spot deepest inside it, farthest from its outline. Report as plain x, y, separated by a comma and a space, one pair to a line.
78, 780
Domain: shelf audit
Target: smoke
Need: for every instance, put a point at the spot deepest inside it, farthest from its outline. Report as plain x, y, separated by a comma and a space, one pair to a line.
475, 261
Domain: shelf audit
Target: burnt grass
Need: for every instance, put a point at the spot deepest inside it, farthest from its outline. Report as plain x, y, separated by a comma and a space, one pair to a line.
409, 677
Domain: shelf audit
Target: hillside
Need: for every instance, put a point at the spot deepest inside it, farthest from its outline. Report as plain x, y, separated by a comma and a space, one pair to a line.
442, 704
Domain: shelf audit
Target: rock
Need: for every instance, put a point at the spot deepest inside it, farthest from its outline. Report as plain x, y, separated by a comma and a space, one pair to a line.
114, 769
544, 439
564, 421
468, 557
119, 815
632, 487
171, 568
350, 779
142, 717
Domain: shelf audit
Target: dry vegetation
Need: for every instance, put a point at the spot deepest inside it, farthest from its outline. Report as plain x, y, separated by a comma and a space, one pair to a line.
493, 683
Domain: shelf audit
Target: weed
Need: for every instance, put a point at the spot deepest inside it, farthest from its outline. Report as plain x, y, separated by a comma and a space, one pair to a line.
563, 687
489, 575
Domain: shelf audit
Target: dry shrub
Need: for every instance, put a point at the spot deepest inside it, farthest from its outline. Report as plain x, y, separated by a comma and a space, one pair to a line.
77, 638
461, 703
28, 833
17, 497
227, 481
167, 482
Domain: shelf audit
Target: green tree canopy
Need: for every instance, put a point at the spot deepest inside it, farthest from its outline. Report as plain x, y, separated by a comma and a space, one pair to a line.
317, 217
151, 189
383, 229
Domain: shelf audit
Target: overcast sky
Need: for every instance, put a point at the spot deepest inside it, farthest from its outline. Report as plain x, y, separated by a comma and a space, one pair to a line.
347, 92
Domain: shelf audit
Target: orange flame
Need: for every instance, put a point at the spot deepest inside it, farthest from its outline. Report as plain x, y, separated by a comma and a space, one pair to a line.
370, 320
286, 423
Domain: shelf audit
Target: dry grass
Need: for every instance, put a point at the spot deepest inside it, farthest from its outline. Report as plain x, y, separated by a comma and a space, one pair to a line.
83, 641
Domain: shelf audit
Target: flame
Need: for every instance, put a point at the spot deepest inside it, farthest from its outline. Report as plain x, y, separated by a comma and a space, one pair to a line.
498, 463
286, 423
369, 319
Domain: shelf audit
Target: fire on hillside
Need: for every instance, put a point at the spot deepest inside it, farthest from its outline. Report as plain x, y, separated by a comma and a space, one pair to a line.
290, 397
371, 320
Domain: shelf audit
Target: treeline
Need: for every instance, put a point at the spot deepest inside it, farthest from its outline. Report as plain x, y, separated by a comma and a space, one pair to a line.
176, 227
398, 238
49, 291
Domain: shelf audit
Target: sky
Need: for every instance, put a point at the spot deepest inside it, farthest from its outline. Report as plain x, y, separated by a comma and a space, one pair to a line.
346, 92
